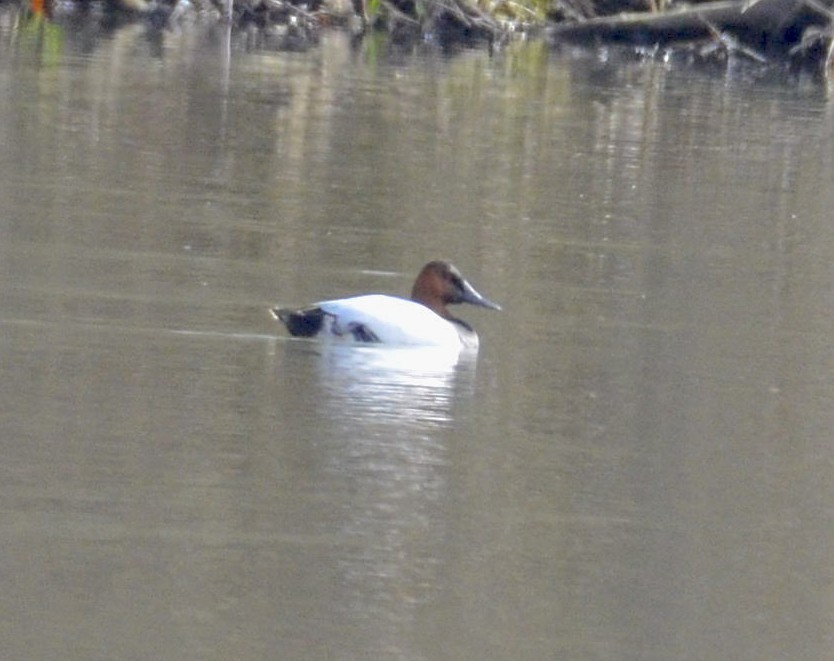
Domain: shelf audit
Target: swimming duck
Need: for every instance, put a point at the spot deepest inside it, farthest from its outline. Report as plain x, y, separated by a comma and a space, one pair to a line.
380, 319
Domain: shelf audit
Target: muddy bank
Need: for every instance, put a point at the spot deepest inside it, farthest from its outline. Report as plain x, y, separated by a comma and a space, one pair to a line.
764, 32
292, 24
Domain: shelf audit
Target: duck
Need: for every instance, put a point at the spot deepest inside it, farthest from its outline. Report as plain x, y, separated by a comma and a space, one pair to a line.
380, 319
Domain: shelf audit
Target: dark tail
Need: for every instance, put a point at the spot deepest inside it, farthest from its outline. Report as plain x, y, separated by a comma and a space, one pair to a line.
300, 323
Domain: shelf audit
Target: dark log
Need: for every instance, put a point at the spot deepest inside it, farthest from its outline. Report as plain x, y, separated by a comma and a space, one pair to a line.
765, 25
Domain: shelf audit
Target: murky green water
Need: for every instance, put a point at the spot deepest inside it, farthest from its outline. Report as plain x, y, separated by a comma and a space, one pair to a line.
638, 465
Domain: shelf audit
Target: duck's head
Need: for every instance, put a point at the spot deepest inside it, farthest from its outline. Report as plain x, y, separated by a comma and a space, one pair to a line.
440, 284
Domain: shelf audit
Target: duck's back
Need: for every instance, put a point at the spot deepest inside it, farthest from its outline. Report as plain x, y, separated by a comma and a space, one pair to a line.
387, 320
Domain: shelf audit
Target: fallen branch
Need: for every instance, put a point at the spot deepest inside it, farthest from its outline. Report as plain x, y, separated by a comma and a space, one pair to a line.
759, 26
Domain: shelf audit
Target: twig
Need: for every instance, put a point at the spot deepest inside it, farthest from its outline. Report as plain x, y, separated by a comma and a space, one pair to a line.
731, 44
829, 59
400, 15
521, 8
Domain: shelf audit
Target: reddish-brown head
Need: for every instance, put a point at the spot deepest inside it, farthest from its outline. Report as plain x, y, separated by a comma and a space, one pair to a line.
440, 284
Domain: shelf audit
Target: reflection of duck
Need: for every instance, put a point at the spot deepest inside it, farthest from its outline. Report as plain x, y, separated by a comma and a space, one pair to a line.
376, 318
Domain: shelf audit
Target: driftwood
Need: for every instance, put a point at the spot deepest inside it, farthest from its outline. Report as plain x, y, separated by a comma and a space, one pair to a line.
761, 26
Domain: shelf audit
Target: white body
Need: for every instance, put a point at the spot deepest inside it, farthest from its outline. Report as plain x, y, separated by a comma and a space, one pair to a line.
395, 321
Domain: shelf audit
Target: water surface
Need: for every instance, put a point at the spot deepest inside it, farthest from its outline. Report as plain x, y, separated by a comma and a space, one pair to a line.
637, 465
